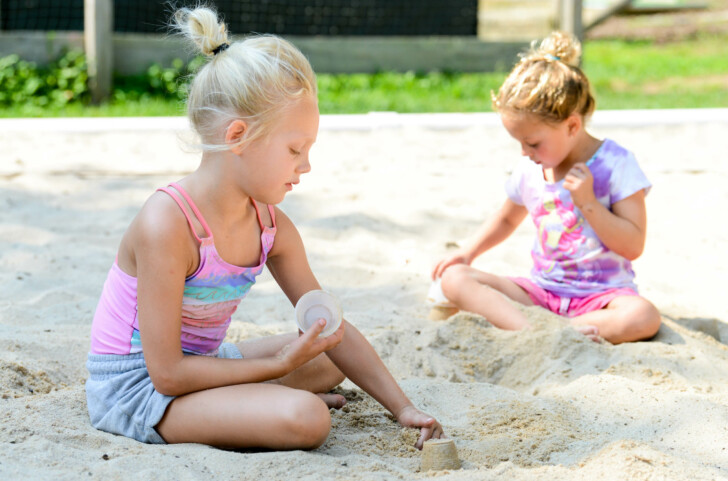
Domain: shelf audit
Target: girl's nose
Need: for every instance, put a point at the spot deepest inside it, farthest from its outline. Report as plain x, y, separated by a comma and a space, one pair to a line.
305, 165
527, 150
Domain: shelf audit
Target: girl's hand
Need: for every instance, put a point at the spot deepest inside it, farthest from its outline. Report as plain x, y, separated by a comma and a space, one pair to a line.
411, 417
308, 345
458, 257
580, 182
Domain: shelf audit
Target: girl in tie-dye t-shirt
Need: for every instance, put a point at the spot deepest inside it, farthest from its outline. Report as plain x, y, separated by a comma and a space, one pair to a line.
585, 197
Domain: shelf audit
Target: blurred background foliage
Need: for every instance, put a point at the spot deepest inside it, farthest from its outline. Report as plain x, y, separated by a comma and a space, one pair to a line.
625, 73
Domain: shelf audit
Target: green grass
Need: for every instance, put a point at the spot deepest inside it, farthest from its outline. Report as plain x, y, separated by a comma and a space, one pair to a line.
408, 92
688, 74
624, 75
153, 107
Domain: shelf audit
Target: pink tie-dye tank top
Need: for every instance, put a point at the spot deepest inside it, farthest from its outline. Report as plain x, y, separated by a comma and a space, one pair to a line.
211, 295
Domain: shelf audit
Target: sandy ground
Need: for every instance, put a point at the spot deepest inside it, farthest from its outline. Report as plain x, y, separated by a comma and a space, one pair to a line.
381, 205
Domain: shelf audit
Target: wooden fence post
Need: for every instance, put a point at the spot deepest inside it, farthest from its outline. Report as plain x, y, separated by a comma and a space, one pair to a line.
98, 26
570, 18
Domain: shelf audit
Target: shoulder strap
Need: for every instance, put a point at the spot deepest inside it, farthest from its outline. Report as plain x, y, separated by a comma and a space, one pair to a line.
182, 206
270, 210
184, 209
272, 214
197, 212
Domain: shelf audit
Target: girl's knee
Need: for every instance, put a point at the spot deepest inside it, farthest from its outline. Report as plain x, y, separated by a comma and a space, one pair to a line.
452, 280
336, 376
643, 318
650, 319
329, 374
308, 421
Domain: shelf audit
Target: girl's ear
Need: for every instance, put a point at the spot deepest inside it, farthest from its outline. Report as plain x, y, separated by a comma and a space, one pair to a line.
574, 123
234, 135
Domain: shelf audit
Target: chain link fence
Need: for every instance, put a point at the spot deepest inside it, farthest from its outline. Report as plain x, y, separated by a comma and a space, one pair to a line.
282, 17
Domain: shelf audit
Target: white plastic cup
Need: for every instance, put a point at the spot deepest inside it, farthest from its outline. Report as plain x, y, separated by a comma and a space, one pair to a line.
435, 297
315, 305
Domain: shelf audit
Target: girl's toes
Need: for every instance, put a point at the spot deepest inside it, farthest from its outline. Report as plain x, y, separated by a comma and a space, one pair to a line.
592, 332
336, 401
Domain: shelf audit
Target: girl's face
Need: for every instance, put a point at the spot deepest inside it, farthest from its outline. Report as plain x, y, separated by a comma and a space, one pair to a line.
544, 143
276, 161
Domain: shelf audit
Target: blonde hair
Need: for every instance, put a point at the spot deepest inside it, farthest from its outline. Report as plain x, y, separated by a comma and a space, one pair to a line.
547, 82
253, 79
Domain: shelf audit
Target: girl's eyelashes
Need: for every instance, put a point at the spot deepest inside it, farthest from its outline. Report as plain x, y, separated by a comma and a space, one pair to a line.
294, 151
533, 146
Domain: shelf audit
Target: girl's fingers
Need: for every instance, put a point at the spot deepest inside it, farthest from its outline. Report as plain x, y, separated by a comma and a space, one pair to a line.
444, 264
433, 431
315, 329
436, 271
438, 433
580, 171
311, 336
425, 434
334, 339
429, 427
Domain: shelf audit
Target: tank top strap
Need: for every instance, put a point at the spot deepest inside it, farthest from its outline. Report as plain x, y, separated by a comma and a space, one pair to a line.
272, 215
197, 212
182, 206
257, 212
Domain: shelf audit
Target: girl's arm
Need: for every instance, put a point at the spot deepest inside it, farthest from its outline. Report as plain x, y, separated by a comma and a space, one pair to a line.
354, 356
491, 233
164, 255
623, 229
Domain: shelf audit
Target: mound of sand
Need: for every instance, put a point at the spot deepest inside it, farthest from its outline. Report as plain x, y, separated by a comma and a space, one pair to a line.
380, 206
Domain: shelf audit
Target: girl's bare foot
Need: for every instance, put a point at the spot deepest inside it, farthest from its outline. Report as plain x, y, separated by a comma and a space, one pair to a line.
336, 401
592, 332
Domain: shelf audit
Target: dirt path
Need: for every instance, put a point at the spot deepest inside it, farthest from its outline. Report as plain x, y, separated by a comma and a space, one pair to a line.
667, 26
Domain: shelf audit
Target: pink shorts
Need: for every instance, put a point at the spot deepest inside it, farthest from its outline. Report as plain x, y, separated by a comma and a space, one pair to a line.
570, 306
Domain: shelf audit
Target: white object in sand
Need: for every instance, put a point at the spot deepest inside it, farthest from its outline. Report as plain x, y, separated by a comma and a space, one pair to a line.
435, 295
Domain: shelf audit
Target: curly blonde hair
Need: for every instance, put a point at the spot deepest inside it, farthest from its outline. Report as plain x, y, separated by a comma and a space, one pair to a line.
547, 82
252, 79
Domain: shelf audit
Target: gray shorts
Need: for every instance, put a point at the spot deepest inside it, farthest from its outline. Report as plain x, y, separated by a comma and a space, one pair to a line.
121, 398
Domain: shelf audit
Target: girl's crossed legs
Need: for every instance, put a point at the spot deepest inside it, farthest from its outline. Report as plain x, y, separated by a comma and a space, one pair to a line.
624, 318
287, 413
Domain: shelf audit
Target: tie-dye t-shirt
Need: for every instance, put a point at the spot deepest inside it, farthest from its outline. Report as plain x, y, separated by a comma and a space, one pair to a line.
568, 257
211, 295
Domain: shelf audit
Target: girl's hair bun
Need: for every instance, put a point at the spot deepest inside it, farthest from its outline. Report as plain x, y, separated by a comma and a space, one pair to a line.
547, 82
562, 46
202, 27
253, 79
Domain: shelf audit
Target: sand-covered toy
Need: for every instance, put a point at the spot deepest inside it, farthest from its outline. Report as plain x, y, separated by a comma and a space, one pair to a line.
441, 307
439, 454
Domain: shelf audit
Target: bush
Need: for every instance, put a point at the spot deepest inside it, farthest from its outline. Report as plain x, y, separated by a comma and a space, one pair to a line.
157, 82
62, 82
65, 82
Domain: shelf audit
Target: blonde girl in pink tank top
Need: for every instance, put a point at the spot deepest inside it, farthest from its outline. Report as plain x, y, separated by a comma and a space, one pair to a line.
159, 371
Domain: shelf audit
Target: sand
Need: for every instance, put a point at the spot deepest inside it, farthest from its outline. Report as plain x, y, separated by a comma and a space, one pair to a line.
387, 196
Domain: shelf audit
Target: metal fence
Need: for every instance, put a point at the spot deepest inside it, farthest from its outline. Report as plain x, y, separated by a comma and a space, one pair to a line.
283, 17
